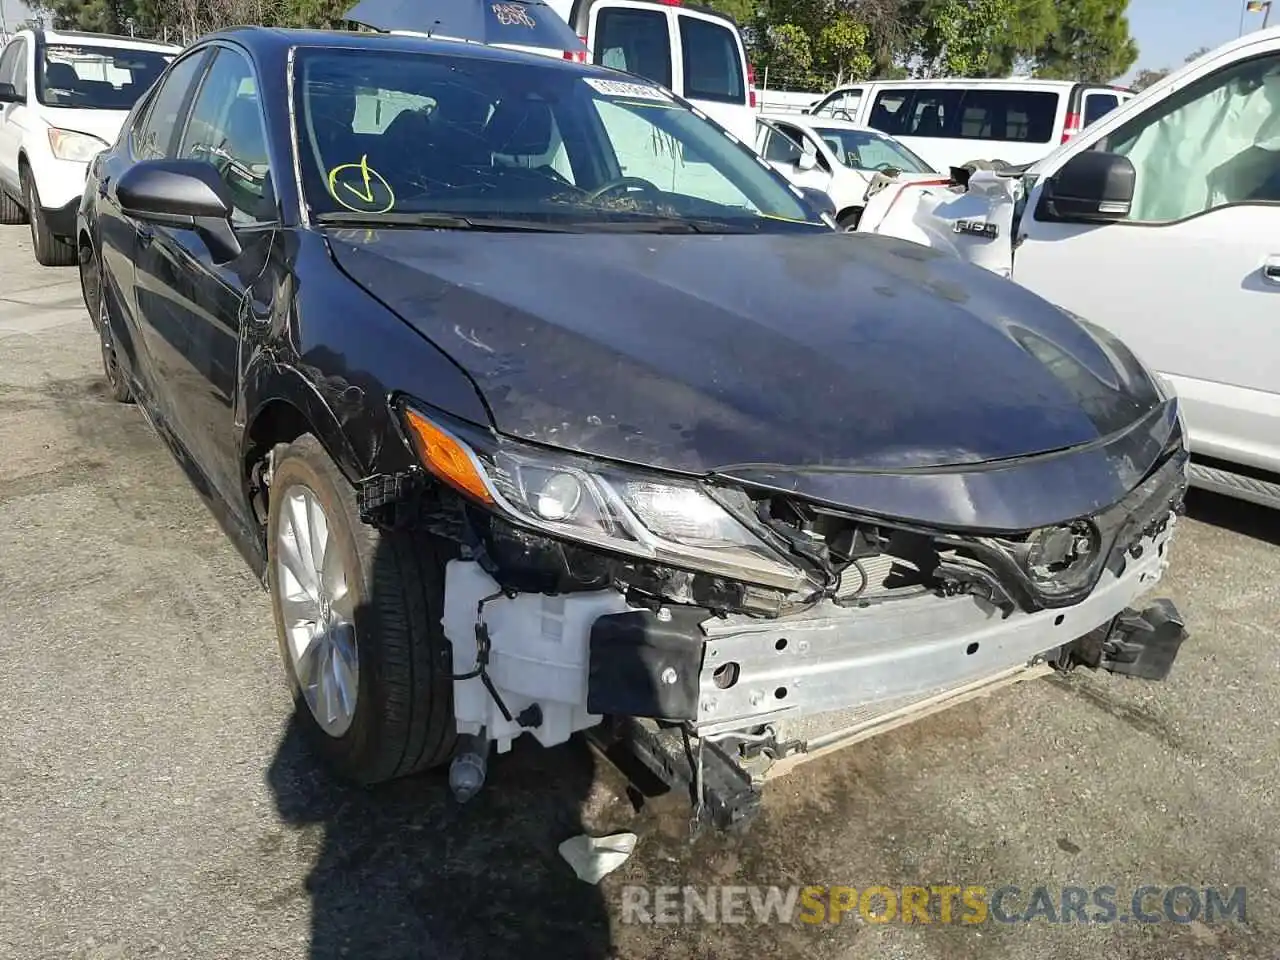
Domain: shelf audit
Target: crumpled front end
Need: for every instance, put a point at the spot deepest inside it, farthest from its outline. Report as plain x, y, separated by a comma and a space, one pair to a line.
553, 629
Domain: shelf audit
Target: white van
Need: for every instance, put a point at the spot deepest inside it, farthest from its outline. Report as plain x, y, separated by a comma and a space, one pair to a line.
951, 122
1161, 224
693, 51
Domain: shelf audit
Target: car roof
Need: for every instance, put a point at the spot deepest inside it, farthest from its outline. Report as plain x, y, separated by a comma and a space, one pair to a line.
81, 38
812, 122
1006, 83
279, 40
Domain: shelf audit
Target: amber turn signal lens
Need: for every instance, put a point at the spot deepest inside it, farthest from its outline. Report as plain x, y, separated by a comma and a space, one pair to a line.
446, 458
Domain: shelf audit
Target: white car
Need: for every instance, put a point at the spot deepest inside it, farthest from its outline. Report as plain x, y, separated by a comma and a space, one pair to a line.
63, 98
837, 157
1162, 224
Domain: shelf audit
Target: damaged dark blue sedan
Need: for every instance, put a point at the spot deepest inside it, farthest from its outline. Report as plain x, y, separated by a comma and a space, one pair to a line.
541, 404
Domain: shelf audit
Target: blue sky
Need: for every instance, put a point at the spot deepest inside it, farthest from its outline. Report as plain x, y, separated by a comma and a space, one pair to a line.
1166, 30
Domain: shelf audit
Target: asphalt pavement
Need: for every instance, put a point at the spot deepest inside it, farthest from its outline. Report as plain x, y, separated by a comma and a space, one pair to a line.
155, 801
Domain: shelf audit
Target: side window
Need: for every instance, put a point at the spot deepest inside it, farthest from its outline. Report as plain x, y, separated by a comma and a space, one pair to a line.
712, 61
636, 41
890, 111
9, 60
1098, 105
932, 111
226, 130
1212, 143
19, 80
154, 139
780, 149
843, 105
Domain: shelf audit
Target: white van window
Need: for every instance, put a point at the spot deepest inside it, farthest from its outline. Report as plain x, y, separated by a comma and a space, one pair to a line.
637, 41
712, 61
1215, 142
1025, 116
842, 105
1098, 105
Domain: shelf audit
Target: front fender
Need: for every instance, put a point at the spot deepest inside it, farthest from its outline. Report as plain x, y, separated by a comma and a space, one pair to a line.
269, 384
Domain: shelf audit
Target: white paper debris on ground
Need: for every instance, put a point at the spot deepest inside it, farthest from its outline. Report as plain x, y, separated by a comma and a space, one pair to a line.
594, 858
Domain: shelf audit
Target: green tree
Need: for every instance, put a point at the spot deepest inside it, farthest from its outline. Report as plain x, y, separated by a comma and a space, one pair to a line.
1091, 42
957, 37
1028, 26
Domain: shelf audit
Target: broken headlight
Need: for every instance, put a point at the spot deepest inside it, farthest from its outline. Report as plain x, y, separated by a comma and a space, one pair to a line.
1063, 559
668, 520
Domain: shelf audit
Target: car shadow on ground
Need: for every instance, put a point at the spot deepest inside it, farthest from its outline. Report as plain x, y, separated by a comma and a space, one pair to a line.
1238, 516
403, 871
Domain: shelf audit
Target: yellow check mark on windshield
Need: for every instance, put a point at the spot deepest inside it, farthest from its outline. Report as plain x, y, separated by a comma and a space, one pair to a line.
366, 191
361, 188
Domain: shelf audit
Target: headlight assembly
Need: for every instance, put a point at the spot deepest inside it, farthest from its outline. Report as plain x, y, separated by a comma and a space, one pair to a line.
70, 145
665, 519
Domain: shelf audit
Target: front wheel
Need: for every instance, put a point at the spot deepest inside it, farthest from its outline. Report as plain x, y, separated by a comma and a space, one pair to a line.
50, 251
357, 615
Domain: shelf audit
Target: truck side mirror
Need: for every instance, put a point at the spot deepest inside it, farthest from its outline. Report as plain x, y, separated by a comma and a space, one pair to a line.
1091, 187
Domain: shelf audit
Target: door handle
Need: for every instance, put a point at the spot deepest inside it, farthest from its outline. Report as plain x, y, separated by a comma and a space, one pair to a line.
1271, 269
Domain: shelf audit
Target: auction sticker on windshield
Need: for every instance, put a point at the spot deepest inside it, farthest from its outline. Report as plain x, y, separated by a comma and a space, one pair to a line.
621, 88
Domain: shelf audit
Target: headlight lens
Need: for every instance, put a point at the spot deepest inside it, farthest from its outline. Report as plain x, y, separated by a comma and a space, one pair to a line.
70, 145
664, 519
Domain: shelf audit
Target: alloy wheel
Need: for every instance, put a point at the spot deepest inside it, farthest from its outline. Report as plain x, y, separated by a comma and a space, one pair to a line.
317, 609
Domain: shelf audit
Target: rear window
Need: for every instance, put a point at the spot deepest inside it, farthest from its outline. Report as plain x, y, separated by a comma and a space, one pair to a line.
97, 77
636, 41
1098, 105
1020, 115
712, 61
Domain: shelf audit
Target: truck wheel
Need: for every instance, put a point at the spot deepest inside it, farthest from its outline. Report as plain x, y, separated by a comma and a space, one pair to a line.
10, 210
848, 221
50, 251
357, 615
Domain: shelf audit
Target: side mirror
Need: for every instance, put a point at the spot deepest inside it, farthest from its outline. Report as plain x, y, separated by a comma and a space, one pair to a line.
8, 94
820, 199
807, 161
187, 194
1091, 187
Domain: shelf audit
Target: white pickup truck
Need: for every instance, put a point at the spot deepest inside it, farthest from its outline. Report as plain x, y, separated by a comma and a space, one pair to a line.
1161, 223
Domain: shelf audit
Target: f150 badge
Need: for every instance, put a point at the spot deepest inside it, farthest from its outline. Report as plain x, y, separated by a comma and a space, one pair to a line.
978, 228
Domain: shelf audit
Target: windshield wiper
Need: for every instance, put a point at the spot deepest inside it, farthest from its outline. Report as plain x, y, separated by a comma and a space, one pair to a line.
437, 221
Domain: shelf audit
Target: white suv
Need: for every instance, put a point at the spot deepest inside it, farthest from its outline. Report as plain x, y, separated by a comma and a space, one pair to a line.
63, 97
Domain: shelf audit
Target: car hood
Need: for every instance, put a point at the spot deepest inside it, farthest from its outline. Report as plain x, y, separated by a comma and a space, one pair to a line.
702, 353
103, 124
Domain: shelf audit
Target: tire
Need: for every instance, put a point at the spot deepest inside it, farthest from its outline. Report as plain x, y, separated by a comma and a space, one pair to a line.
10, 210
402, 721
117, 384
50, 251
848, 221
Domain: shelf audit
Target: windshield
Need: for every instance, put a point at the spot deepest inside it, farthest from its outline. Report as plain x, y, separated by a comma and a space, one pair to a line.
396, 134
96, 78
864, 150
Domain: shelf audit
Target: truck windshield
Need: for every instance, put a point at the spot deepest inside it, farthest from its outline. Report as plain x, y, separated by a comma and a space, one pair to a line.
96, 77
391, 133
